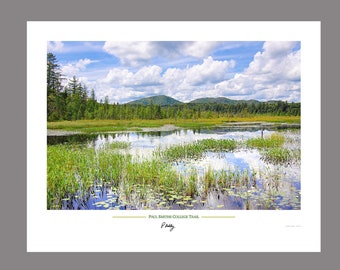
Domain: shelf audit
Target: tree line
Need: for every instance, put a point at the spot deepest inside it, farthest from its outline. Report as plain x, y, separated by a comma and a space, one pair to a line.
73, 101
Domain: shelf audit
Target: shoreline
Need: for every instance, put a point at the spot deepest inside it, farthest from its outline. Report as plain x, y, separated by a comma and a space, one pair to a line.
60, 132
171, 127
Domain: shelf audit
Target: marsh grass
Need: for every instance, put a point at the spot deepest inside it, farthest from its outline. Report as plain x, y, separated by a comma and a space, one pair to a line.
274, 140
69, 170
281, 156
74, 172
136, 125
197, 149
272, 149
90, 126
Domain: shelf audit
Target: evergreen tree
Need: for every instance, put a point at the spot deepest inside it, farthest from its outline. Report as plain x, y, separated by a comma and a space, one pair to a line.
76, 100
55, 98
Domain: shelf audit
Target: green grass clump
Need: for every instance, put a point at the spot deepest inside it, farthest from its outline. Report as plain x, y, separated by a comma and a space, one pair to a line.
274, 140
191, 185
125, 125
281, 156
197, 149
154, 183
69, 170
218, 145
91, 126
72, 170
209, 180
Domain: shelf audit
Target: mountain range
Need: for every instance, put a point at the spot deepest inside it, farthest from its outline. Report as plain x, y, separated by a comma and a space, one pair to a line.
156, 100
163, 100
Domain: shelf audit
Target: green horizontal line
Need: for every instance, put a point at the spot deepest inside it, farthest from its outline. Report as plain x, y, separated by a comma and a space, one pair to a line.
217, 216
129, 217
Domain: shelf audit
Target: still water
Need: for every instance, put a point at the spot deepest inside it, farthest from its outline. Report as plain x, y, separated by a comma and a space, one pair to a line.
271, 186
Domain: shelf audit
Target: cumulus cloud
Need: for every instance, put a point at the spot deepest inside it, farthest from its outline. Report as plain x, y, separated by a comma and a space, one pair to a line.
119, 94
210, 71
274, 73
55, 46
276, 49
72, 69
149, 75
198, 49
130, 53
175, 82
196, 81
134, 53
173, 78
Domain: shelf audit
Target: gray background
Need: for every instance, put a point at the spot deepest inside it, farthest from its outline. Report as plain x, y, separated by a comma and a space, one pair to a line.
13, 17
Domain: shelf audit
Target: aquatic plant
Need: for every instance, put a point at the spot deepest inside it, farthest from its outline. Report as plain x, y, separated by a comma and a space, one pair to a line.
274, 140
76, 174
90, 126
281, 156
197, 149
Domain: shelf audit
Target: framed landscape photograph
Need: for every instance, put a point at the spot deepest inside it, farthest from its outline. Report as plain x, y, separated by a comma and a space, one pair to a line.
173, 136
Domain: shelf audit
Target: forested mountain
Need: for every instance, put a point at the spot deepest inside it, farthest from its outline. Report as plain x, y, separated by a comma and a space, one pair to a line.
222, 100
161, 100
73, 101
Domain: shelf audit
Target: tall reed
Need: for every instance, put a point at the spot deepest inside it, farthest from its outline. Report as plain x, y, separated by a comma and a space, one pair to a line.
274, 140
197, 149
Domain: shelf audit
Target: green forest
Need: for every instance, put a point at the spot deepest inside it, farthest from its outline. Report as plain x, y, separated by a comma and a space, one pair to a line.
72, 100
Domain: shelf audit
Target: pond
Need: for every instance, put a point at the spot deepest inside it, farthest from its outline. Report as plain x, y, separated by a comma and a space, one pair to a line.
246, 176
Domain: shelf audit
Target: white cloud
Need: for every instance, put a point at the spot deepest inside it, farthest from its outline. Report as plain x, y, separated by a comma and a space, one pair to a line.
273, 74
277, 58
199, 49
118, 76
55, 46
175, 82
122, 85
72, 69
173, 77
149, 75
208, 71
196, 81
119, 94
135, 53
130, 53
276, 49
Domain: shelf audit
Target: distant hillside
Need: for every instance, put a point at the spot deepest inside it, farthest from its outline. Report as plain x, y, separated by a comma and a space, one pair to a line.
156, 100
222, 100
219, 100
163, 100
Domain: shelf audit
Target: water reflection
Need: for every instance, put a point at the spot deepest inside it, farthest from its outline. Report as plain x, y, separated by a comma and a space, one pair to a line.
72, 139
156, 138
272, 187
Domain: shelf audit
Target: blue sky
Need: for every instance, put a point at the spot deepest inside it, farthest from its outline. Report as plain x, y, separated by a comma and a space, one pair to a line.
187, 70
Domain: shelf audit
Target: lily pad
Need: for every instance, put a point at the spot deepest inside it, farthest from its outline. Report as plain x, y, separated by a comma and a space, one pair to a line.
99, 203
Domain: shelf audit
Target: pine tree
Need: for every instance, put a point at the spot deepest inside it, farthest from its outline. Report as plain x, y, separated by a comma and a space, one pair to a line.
55, 97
